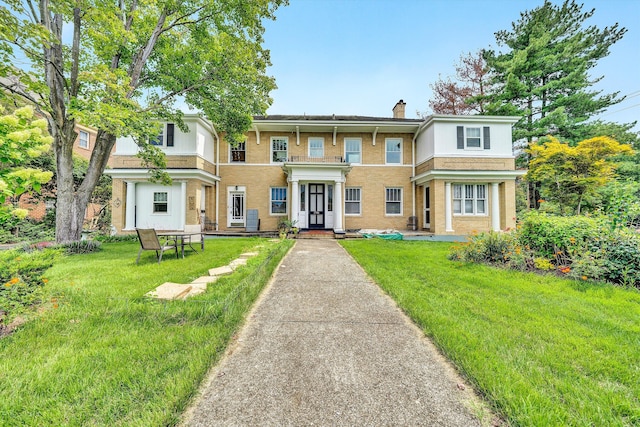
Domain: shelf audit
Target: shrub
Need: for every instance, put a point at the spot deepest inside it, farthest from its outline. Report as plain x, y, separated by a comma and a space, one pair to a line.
622, 259
492, 247
546, 235
21, 278
106, 238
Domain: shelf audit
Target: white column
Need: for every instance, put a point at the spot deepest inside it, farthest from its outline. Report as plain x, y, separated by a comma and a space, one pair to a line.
337, 207
295, 204
495, 207
183, 203
447, 207
130, 208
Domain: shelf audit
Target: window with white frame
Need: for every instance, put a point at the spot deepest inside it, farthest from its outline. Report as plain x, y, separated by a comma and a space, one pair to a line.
83, 139
316, 147
278, 201
352, 200
393, 201
238, 152
160, 202
353, 150
279, 147
165, 137
393, 150
470, 199
473, 137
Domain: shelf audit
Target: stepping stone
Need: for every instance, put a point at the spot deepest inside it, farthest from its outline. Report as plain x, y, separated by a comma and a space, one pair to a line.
237, 263
198, 286
248, 254
205, 279
170, 290
220, 271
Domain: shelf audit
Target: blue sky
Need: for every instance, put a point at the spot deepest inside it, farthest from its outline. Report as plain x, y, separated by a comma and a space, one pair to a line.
362, 56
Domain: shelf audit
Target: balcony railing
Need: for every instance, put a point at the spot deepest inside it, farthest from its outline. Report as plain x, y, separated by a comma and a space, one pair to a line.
324, 159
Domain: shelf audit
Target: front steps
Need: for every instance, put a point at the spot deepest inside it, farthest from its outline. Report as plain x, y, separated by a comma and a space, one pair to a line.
319, 234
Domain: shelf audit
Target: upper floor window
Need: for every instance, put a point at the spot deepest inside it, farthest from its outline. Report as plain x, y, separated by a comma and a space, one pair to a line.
83, 139
352, 200
470, 199
393, 201
279, 149
160, 202
393, 150
238, 152
165, 137
474, 138
316, 147
353, 150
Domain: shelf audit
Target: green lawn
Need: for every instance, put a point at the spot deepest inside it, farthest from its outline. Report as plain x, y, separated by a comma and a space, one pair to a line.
103, 354
543, 351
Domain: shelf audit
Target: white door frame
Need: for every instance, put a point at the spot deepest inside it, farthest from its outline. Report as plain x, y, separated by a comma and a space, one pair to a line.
236, 206
426, 217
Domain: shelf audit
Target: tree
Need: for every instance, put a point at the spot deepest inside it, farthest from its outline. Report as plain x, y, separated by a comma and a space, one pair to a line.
466, 95
21, 139
121, 66
570, 174
543, 75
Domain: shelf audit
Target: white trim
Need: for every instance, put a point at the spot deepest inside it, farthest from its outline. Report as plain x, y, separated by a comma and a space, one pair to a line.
386, 151
485, 175
386, 213
271, 140
315, 139
271, 200
143, 174
353, 201
167, 212
474, 199
80, 132
344, 151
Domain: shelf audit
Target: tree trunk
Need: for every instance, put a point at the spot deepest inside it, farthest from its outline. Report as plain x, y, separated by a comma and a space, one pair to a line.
69, 221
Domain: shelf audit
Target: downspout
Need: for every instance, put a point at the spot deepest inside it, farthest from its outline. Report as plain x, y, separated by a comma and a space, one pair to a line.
217, 175
413, 165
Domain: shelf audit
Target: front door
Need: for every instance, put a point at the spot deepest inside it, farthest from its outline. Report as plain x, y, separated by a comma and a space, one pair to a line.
236, 209
316, 205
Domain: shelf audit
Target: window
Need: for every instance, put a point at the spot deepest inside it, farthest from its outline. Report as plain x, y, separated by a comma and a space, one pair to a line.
165, 137
474, 138
279, 149
303, 196
83, 139
393, 201
352, 199
238, 152
394, 150
161, 202
330, 198
353, 150
316, 147
278, 200
470, 199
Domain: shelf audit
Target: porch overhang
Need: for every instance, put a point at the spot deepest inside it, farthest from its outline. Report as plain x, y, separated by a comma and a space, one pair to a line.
316, 171
461, 175
144, 174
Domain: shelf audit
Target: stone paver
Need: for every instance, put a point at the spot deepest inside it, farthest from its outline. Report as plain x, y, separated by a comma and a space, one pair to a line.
206, 279
238, 262
220, 271
324, 346
169, 290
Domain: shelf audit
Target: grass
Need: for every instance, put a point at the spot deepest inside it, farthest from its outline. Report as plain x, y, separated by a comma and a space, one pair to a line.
100, 353
542, 350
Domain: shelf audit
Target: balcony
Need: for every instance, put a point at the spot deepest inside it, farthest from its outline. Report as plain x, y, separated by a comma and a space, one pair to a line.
324, 159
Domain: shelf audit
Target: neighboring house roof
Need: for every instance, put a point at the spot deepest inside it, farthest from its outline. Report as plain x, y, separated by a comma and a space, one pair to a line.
324, 118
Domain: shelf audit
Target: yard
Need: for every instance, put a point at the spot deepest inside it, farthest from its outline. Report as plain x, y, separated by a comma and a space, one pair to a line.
100, 353
543, 351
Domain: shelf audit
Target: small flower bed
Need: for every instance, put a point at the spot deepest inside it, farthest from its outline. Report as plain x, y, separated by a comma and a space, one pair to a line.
21, 279
578, 247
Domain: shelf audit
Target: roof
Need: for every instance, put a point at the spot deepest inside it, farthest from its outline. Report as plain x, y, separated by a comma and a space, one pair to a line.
333, 117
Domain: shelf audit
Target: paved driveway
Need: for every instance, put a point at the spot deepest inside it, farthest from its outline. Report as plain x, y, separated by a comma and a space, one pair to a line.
326, 347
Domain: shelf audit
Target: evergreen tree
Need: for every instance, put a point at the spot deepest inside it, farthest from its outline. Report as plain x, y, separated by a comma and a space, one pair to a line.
543, 75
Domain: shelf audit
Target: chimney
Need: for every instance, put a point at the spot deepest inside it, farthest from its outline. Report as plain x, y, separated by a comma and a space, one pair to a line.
398, 110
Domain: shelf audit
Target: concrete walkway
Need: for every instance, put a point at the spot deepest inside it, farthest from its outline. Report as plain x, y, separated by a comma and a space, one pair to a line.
324, 346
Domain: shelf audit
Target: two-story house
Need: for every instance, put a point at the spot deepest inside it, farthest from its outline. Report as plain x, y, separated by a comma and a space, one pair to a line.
455, 174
